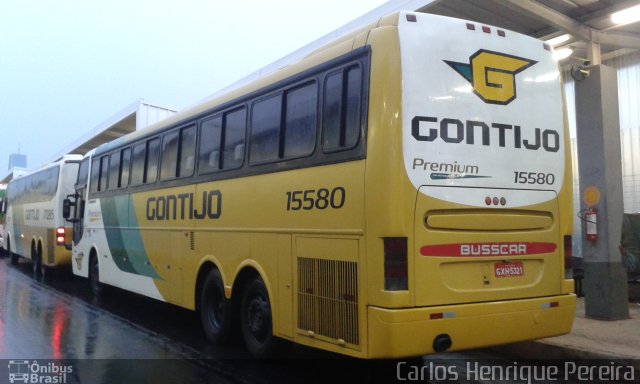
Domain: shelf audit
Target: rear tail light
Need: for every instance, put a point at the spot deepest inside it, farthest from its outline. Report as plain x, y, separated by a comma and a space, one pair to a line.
568, 252
60, 232
395, 264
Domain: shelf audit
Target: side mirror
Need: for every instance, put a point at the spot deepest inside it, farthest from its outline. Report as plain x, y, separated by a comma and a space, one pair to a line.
2, 205
66, 209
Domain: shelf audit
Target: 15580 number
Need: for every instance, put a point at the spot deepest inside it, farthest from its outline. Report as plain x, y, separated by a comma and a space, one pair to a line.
534, 178
322, 198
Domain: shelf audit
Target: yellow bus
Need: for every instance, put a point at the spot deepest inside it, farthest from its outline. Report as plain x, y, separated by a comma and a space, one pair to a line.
404, 190
34, 226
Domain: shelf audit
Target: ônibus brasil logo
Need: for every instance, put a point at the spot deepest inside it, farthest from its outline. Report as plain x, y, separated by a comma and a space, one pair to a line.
492, 74
25, 371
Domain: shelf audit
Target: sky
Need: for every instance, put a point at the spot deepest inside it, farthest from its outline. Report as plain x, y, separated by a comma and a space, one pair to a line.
68, 65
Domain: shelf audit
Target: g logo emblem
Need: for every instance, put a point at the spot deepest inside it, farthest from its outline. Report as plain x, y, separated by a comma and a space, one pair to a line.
492, 75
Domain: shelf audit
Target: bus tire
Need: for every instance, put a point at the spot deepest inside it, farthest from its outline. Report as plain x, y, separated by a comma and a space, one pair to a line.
215, 309
12, 256
36, 261
256, 319
45, 272
97, 287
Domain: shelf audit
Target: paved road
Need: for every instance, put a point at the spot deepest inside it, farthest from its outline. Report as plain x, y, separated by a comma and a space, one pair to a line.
127, 338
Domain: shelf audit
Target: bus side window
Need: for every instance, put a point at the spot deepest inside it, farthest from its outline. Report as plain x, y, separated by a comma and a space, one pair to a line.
235, 129
114, 170
342, 109
104, 170
124, 169
169, 163
187, 151
265, 130
300, 121
210, 135
83, 173
95, 175
137, 165
151, 166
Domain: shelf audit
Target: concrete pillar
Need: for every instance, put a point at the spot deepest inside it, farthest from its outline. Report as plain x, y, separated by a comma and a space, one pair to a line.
598, 130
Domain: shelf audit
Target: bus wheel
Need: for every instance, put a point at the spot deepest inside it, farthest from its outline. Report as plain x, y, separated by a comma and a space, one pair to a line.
13, 256
36, 262
215, 309
94, 277
256, 319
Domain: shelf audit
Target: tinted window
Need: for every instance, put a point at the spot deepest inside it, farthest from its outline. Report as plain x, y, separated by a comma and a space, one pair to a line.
83, 172
332, 112
126, 160
169, 156
104, 168
210, 134
137, 166
114, 170
153, 152
187, 151
342, 109
95, 175
300, 121
265, 129
37, 187
353, 110
235, 128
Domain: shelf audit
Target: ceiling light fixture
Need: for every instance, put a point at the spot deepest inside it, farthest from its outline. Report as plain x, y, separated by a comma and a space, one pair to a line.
558, 40
562, 53
626, 16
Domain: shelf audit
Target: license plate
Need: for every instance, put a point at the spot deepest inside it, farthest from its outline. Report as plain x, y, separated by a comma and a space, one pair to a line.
509, 269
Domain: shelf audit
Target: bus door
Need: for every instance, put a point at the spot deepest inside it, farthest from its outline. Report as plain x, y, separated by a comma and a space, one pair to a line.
81, 196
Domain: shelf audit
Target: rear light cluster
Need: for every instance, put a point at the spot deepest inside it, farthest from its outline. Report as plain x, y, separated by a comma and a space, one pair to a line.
60, 235
486, 29
396, 268
495, 201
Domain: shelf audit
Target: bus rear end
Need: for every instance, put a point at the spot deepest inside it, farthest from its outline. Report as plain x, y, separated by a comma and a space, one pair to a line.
484, 147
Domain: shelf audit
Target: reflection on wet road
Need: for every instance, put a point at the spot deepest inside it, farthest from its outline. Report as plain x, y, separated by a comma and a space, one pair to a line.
127, 338
124, 336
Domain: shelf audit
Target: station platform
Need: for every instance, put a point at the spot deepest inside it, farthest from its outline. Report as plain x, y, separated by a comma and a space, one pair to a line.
590, 339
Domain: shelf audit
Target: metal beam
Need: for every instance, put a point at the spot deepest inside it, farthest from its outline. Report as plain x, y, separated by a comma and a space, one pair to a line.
551, 17
568, 25
619, 39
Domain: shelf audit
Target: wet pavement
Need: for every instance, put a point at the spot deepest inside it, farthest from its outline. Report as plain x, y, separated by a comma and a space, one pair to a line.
124, 337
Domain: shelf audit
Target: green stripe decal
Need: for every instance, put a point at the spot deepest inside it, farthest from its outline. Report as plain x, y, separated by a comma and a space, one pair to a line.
132, 258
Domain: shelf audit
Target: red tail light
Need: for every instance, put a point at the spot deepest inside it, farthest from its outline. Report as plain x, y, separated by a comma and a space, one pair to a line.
60, 232
568, 252
395, 264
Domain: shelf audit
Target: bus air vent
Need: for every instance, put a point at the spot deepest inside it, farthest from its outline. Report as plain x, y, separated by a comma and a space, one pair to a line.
328, 300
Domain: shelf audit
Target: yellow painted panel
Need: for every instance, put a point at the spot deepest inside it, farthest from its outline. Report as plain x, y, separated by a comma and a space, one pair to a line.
485, 221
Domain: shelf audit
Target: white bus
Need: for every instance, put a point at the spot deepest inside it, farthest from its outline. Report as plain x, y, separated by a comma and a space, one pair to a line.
34, 227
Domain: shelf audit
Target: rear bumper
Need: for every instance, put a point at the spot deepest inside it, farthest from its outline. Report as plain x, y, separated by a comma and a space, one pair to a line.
396, 333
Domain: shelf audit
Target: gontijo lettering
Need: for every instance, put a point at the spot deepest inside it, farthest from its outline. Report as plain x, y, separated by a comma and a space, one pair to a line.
183, 206
454, 131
